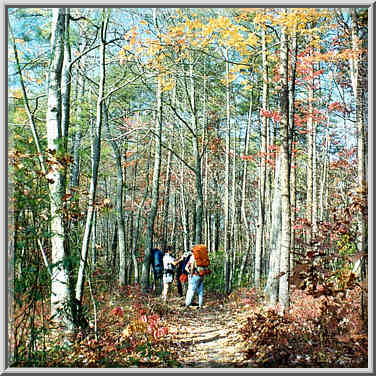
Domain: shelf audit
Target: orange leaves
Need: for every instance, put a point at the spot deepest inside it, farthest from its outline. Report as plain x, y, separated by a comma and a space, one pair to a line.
336, 106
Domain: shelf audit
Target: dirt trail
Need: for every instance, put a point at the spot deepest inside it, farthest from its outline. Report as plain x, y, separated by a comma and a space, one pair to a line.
207, 338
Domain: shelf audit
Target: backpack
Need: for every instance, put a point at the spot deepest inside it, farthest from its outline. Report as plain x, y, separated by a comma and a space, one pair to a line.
200, 253
183, 264
157, 262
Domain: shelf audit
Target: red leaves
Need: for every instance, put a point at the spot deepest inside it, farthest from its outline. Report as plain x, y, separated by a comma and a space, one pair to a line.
117, 311
66, 197
276, 116
317, 332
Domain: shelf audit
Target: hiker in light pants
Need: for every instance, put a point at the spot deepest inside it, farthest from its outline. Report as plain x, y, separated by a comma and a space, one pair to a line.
195, 283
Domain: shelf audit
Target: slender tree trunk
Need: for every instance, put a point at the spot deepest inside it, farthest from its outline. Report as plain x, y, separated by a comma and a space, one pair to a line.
261, 200
183, 211
244, 192
294, 50
94, 241
95, 155
324, 179
285, 181
167, 194
119, 201
145, 276
197, 162
310, 136
138, 217
30, 114
227, 246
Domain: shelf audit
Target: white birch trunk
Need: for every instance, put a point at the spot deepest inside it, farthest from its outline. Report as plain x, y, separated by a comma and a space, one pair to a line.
60, 292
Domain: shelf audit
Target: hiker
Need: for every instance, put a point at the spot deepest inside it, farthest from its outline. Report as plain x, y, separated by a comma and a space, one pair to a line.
157, 265
168, 271
157, 262
197, 267
181, 273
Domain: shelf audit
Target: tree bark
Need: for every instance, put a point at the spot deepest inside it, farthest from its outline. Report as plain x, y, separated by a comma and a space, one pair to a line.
272, 283
244, 192
60, 284
119, 201
226, 234
145, 276
95, 155
284, 299
262, 176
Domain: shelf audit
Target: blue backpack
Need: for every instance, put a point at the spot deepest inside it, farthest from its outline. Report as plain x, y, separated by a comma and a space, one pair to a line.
157, 262
183, 264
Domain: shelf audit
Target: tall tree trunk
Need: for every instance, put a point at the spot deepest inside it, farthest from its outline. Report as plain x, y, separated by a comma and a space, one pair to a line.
358, 89
244, 192
145, 275
119, 201
166, 199
138, 216
95, 155
310, 135
60, 284
294, 51
226, 234
197, 161
262, 176
285, 181
183, 210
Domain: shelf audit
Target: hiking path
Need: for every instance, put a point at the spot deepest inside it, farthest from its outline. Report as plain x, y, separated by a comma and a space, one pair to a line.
208, 337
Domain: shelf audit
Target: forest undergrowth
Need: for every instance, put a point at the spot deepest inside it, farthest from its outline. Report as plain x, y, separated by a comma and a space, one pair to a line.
237, 331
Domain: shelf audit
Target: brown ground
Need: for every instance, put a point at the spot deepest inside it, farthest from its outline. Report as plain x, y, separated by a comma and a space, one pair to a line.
207, 338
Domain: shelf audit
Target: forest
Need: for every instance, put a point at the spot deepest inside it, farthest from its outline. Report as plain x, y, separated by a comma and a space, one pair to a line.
242, 129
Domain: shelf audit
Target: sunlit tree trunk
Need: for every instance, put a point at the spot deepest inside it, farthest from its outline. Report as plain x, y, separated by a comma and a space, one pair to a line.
226, 199
310, 136
284, 299
358, 88
272, 283
245, 178
60, 286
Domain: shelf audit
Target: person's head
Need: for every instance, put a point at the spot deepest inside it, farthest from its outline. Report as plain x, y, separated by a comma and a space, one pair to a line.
170, 250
